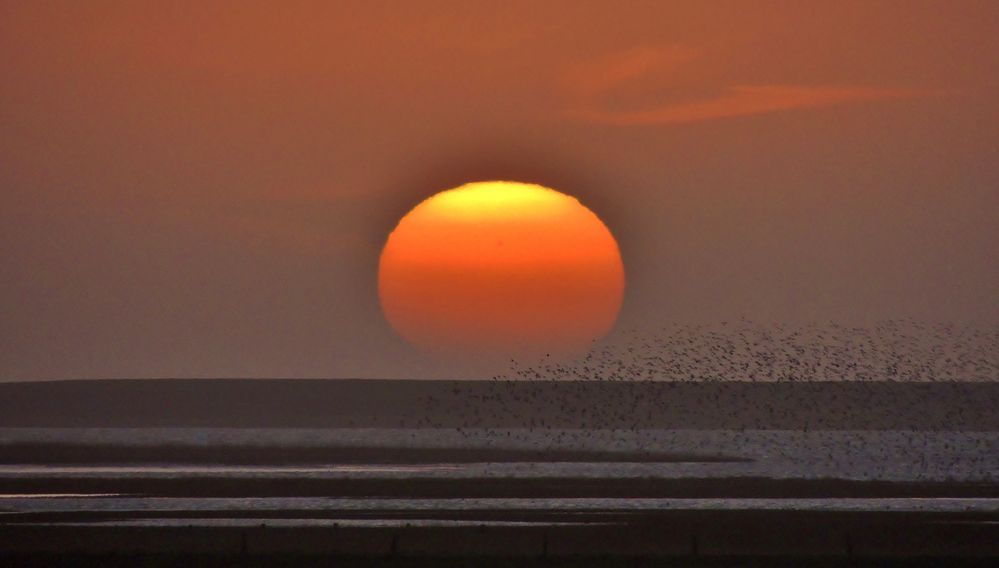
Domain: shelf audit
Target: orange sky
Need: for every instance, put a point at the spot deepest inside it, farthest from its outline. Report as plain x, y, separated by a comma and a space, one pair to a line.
202, 189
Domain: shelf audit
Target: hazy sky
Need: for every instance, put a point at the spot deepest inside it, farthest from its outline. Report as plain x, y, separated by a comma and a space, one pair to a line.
202, 189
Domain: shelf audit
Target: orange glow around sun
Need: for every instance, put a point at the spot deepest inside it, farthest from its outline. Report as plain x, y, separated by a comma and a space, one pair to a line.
501, 268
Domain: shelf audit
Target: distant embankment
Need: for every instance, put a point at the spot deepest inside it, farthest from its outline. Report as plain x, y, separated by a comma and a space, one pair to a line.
384, 403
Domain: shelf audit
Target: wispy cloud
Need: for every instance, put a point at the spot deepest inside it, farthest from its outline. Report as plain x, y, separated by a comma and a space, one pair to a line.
589, 86
596, 77
746, 100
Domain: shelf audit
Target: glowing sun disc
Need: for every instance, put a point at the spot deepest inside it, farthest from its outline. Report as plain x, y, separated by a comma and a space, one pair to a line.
501, 268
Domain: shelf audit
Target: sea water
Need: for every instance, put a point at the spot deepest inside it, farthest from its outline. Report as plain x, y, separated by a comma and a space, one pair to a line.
895, 456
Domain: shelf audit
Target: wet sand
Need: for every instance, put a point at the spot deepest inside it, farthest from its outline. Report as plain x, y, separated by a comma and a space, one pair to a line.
591, 537
537, 487
76, 453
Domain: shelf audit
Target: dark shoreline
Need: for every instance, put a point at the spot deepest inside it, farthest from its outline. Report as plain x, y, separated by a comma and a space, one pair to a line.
370, 403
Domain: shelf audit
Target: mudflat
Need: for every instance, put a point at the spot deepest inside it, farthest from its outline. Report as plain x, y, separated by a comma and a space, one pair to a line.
281, 473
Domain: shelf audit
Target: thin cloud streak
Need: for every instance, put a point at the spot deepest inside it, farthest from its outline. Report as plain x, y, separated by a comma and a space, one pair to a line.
590, 79
590, 84
747, 100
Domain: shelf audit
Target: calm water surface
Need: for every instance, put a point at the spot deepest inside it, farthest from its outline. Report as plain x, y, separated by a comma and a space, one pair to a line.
851, 455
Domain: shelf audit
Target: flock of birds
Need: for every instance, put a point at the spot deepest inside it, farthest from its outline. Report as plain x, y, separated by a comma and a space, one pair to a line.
637, 381
897, 350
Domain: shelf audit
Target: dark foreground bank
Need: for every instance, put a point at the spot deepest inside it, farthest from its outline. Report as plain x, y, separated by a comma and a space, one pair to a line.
685, 538
313, 561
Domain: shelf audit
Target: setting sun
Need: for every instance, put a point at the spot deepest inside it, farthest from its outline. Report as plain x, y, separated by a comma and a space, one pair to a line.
501, 268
